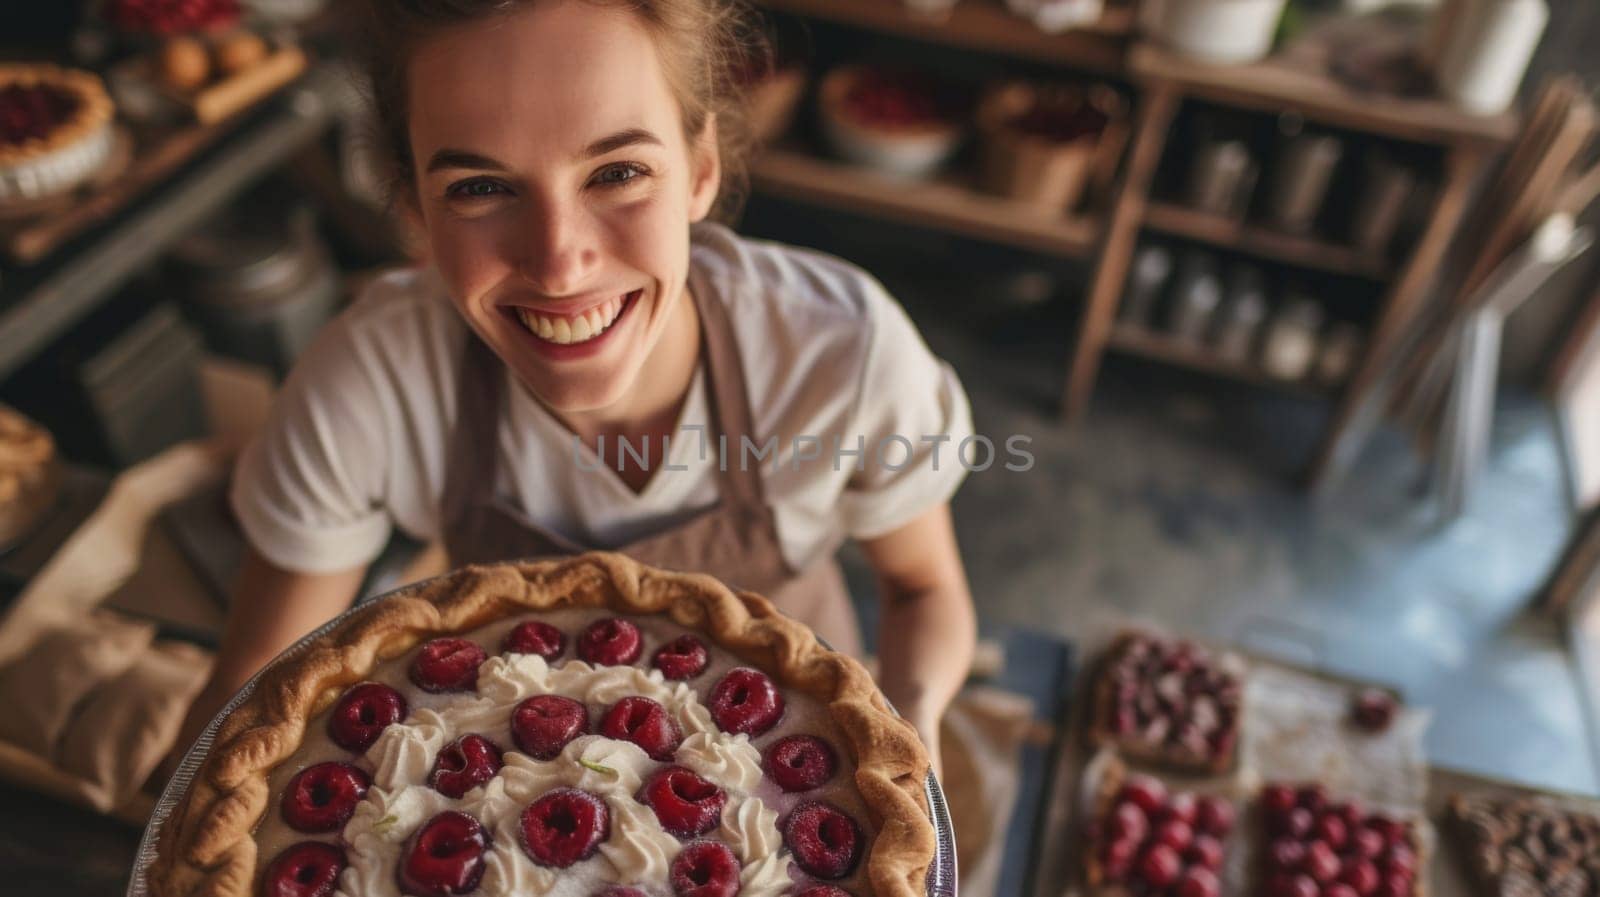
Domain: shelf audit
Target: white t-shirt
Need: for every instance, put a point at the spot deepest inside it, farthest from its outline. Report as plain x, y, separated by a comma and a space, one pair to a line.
357, 439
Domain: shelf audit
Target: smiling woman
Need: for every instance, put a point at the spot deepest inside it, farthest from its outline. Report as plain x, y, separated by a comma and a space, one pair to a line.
564, 159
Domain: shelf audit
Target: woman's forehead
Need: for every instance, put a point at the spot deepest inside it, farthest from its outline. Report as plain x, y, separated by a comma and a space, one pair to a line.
551, 79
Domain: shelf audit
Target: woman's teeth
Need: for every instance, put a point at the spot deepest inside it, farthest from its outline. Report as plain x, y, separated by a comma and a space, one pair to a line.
576, 329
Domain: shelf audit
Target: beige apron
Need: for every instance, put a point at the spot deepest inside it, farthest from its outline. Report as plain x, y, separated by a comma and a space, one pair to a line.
735, 540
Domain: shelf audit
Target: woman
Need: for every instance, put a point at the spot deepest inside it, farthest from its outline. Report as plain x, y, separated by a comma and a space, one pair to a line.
562, 157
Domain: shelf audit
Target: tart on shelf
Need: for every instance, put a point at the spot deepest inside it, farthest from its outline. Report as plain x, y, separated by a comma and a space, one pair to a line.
56, 129
1317, 846
1145, 838
1168, 702
1527, 847
590, 721
1045, 146
29, 475
899, 123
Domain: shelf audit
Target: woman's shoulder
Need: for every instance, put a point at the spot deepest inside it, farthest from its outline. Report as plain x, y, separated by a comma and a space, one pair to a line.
398, 302
392, 351
797, 282
824, 326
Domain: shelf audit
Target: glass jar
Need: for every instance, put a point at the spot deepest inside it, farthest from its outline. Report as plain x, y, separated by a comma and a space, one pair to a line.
1195, 297
1244, 308
1290, 346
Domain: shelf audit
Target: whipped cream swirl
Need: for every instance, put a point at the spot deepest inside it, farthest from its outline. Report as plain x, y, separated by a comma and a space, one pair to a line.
638, 851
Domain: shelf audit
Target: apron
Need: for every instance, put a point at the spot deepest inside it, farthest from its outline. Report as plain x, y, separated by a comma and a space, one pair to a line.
735, 540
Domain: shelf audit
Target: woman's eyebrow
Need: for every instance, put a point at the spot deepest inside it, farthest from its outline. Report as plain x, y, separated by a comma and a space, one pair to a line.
455, 158
619, 140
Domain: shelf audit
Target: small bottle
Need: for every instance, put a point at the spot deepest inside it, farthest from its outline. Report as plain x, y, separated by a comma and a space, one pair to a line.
1195, 297
1152, 267
1336, 359
1244, 307
1290, 347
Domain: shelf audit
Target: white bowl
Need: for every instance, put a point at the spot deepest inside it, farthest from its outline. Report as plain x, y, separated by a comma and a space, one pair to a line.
909, 152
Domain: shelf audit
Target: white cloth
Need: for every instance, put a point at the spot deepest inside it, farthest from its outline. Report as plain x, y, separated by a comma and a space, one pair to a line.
357, 439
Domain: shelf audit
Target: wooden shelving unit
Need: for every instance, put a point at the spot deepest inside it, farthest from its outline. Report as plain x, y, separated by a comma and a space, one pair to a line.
1291, 249
1167, 350
1297, 79
948, 204
981, 25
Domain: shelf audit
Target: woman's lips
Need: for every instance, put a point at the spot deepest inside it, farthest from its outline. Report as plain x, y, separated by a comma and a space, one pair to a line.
574, 335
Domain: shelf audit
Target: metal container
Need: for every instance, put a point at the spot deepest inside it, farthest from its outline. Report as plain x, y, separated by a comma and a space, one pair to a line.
1386, 186
1302, 174
144, 387
941, 880
258, 281
1221, 178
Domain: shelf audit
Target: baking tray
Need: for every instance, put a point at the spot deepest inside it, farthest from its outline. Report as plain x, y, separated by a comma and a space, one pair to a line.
941, 880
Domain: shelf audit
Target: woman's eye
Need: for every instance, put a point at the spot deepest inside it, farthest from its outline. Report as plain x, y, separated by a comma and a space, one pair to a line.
474, 189
619, 174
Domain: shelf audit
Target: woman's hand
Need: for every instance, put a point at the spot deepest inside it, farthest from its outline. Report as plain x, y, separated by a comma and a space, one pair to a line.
928, 628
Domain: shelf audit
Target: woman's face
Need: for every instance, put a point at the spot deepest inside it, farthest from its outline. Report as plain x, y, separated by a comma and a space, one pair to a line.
557, 187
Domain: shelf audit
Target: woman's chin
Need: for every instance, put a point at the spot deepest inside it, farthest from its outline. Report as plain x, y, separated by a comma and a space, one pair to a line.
574, 395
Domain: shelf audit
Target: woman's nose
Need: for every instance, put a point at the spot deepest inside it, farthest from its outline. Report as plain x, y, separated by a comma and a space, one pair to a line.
559, 251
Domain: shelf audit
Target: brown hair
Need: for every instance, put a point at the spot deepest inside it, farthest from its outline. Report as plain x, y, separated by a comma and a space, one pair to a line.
706, 46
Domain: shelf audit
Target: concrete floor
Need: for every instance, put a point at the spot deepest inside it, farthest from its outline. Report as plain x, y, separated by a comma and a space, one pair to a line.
1173, 501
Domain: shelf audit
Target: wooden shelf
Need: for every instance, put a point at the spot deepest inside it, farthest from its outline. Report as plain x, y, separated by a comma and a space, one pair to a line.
1160, 347
981, 25
1299, 80
946, 203
1263, 242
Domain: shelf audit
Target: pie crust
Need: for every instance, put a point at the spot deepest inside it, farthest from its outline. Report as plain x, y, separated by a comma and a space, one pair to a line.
73, 149
207, 845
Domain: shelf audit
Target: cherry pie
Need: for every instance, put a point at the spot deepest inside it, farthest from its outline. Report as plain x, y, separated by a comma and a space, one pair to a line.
55, 129
1151, 840
1168, 701
591, 727
1317, 846
1528, 846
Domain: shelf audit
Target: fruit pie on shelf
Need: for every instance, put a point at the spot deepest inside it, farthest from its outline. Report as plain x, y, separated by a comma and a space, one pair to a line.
898, 122
1168, 702
164, 17
1314, 845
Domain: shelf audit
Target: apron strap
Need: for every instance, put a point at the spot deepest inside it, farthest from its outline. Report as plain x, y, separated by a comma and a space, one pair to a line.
470, 457
730, 400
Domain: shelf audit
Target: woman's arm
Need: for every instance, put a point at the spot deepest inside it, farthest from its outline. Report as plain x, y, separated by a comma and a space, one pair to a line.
272, 607
928, 628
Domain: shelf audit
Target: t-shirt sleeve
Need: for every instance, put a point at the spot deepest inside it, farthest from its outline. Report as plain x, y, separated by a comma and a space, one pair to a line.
913, 415
308, 489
